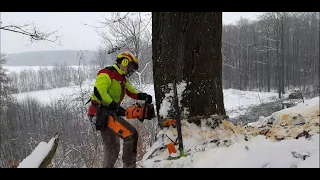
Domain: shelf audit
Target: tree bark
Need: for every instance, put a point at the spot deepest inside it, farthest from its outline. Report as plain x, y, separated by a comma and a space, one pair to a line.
187, 48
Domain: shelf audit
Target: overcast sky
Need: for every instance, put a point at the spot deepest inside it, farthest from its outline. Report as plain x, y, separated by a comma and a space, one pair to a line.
70, 25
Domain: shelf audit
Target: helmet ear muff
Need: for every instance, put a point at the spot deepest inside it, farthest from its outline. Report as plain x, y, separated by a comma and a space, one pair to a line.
125, 62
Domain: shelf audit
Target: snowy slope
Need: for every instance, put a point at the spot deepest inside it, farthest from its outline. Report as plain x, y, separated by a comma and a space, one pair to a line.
47, 96
235, 101
281, 140
260, 152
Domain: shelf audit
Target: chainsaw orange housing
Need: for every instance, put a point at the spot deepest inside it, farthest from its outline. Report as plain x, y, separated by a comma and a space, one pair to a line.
119, 128
134, 112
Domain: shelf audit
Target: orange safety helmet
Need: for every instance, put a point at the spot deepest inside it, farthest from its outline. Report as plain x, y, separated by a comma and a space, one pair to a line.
129, 60
129, 56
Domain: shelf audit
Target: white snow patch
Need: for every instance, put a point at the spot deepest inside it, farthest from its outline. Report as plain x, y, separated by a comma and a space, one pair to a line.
261, 152
165, 106
260, 123
168, 99
180, 89
166, 102
312, 161
50, 95
236, 100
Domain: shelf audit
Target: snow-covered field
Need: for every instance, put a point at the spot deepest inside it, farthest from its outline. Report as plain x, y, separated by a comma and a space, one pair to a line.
286, 139
47, 96
235, 101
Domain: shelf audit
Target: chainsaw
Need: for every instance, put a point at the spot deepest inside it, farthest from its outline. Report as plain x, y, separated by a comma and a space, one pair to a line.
140, 112
136, 111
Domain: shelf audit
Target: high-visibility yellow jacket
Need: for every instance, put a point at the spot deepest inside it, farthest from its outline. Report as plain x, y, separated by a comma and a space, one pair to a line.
111, 85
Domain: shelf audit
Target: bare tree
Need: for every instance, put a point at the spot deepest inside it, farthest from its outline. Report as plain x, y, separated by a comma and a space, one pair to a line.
284, 53
6, 87
102, 58
125, 32
128, 32
32, 31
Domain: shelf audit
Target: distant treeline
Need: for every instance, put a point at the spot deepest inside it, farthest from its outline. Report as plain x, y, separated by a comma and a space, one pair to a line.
278, 51
57, 76
49, 58
47, 78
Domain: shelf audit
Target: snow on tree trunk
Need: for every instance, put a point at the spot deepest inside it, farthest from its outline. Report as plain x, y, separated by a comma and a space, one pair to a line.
187, 48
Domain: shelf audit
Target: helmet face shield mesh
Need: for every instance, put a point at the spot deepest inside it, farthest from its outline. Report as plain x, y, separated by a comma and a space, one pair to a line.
132, 67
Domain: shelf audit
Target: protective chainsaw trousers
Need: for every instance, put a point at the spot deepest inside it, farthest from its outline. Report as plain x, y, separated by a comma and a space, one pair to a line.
116, 128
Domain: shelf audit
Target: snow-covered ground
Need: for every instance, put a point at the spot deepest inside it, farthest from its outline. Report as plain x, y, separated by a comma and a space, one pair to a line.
47, 96
56, 94
236, 102
286, 139
260, 152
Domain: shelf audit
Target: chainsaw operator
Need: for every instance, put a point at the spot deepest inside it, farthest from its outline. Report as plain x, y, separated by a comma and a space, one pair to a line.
110, 87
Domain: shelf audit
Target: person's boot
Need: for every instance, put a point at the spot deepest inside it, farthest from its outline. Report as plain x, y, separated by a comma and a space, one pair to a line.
129, 152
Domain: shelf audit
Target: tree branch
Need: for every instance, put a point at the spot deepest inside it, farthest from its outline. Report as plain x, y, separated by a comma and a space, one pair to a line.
34, 33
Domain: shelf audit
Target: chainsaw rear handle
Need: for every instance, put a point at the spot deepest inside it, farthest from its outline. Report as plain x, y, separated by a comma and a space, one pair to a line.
145, 96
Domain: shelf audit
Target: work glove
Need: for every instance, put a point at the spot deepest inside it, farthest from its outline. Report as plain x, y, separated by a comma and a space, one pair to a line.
121, 111
115, 107
145, 96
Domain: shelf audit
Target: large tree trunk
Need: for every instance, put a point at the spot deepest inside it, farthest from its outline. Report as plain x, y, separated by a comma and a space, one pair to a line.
187, 47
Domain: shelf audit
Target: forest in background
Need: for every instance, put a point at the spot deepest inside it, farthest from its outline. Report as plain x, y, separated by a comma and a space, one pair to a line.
279, 51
